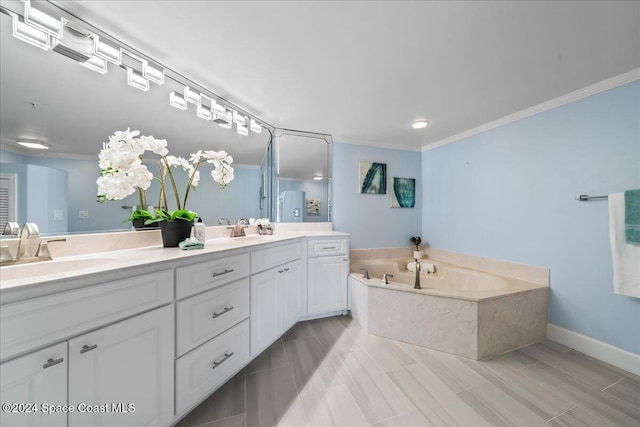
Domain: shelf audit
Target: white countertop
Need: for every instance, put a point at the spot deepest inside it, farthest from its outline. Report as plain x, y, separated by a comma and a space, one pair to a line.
22, 279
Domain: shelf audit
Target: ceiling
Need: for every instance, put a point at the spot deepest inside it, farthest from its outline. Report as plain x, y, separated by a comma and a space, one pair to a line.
363, 71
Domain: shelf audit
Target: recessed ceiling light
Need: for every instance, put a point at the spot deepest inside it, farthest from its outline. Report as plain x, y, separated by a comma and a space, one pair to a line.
33, 144
420, 124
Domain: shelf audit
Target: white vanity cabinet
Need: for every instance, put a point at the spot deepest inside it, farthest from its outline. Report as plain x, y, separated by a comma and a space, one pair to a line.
327, 274
276, 293
33, 379
125, 371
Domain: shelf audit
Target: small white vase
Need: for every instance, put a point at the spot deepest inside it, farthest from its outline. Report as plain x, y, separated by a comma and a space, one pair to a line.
417, 254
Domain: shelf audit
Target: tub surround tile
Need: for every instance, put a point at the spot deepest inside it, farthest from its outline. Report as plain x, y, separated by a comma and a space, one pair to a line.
508, 323
404, 317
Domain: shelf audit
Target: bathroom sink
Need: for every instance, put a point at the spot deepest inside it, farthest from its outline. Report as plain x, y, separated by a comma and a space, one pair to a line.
44, 268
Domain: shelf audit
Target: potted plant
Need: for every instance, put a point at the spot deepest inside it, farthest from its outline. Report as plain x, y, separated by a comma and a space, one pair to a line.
123, 172
416, 240
139, 217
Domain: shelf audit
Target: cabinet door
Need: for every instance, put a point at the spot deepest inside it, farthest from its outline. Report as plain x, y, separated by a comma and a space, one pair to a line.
125, 372
290, 287
265, 308
327, 284
37, 378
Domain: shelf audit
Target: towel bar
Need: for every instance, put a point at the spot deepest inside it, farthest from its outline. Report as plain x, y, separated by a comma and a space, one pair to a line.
586, 198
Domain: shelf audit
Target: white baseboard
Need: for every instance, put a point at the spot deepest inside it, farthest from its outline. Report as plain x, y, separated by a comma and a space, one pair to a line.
597, 349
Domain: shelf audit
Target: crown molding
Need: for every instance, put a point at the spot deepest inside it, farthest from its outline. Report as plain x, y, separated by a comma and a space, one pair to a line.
602, 86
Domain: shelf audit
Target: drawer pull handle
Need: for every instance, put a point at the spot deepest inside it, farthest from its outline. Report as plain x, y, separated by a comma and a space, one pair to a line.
86, 348
280, 271
329, 247
52, 362
223, 273
225, 311
286, 269
226, 356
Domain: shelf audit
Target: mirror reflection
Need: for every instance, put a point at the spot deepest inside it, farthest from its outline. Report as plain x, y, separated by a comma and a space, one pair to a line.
51, 98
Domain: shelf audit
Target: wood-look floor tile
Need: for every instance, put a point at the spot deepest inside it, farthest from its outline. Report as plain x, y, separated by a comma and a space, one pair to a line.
614, 369
333, 336
300, 330
350, 324
556, 346
608, 410
334, 406
410, 419
577, 417
272, 399
516, 360
538, 399
499, 408
437, 402
311, 367
386, 353
235, 421
227, 401
449, 368
273, 357
376, 395
627, 390
578, 367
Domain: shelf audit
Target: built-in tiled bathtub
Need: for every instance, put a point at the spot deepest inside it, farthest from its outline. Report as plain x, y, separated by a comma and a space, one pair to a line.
460, 309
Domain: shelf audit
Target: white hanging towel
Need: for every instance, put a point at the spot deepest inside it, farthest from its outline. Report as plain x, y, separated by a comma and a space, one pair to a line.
626, 257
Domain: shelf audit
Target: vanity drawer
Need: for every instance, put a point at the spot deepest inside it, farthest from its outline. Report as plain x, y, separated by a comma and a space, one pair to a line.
203, 276
204, 316
34, 323
326, 247
207, 367
273, 256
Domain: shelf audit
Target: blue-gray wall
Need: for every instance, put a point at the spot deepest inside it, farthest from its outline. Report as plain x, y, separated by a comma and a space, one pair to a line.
370, 219
508, 193
313, 191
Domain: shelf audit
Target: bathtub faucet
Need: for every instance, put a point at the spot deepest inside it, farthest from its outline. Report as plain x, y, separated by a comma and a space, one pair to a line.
385, 278
365, 273
417, 283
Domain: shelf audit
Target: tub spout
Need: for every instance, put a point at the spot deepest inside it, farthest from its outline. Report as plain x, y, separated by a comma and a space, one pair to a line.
417, 283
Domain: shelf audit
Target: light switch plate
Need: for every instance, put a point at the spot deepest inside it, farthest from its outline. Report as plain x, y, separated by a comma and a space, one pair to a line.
83, 214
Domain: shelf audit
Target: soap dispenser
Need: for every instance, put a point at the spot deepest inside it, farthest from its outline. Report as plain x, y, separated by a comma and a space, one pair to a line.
199, 231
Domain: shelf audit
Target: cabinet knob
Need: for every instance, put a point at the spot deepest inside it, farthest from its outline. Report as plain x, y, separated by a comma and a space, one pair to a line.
86, 348
52, 362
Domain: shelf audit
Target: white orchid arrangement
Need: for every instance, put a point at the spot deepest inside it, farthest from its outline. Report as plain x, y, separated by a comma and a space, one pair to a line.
123, 172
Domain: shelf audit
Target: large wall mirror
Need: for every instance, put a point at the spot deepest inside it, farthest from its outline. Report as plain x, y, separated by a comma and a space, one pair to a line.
52, 98
302, 191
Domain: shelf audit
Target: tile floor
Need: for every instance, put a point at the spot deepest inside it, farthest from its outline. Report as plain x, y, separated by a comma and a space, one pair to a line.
329, 372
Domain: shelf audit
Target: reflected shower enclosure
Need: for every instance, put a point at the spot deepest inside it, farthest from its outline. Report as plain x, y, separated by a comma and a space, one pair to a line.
373, 178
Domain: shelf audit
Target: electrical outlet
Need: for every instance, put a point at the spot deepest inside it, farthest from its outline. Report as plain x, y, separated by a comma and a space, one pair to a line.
83, 214
58, 215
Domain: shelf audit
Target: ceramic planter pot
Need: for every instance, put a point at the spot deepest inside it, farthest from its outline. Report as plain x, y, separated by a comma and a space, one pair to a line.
138, 224
174, 232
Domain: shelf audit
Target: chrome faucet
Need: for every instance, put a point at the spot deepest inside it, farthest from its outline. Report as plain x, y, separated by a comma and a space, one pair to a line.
24, 254
238, 229
417, 282
29, 231
224, 221
385, 278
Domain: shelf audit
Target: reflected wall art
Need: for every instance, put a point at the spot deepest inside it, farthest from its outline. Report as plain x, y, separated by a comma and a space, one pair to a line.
404, 193
373, 178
